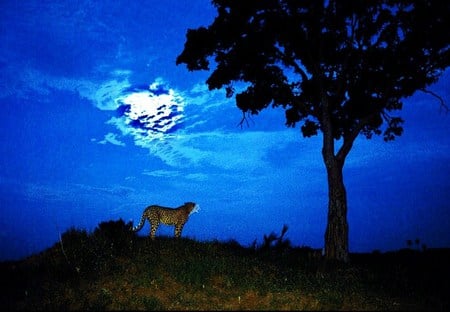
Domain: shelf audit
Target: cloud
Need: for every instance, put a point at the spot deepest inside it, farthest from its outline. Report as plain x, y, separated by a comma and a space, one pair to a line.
161, 173
197, 176
178, 127
45, 192
115, 190
228, 151
111, 138
181, 129
72, 192
149, 115
176, 174
152, 111
204, 98
105, 96
29, 83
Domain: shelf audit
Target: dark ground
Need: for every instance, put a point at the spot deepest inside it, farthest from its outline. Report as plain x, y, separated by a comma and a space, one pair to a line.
113, 269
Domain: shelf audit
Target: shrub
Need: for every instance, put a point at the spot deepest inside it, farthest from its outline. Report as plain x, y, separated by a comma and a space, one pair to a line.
114, 237
92, 253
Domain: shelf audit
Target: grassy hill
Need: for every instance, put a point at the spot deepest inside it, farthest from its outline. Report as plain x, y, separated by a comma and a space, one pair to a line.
114, 269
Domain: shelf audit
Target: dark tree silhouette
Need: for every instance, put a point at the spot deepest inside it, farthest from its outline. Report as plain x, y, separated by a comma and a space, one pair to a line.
341, 68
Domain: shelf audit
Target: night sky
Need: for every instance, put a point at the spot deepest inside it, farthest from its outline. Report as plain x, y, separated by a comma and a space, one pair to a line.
97, 122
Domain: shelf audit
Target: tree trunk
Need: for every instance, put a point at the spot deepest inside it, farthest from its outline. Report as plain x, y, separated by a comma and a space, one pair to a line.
336, 234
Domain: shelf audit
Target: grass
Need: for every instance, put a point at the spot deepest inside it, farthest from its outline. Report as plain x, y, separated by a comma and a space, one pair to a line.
114, 269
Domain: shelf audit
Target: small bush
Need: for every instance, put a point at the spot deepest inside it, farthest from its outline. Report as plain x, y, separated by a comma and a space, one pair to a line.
93, 253
274, 247
76, 248
114, 237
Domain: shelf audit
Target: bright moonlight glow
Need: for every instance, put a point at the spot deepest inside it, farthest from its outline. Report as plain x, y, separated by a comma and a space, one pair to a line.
150, 113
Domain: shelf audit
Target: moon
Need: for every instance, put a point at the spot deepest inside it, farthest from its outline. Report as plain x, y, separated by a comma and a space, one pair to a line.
152, 111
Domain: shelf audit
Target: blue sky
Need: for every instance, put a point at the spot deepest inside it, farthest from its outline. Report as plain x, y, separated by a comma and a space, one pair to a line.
98, 122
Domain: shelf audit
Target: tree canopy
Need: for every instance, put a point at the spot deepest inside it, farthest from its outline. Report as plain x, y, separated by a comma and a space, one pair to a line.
342, 68
366, 56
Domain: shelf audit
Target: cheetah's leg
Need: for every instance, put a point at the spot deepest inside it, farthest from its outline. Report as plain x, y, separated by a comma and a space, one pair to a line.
178, 229
154, 227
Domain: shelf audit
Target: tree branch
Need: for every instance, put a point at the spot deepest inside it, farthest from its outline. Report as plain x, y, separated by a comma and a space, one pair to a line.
348, 142
244, 119
350, 138
327, 130
289, 60
440, 99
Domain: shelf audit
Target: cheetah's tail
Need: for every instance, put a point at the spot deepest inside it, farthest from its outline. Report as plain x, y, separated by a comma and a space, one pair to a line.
140, 225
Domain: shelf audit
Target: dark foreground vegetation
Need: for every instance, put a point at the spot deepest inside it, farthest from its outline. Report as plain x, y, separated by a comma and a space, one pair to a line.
113, 269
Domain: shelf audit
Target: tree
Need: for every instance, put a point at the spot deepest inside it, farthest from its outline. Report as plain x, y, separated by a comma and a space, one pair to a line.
341, 68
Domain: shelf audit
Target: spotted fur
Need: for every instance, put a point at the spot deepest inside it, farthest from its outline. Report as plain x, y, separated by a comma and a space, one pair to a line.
170, 216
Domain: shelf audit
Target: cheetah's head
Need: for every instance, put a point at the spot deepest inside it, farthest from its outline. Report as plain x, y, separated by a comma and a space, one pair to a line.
193, 207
